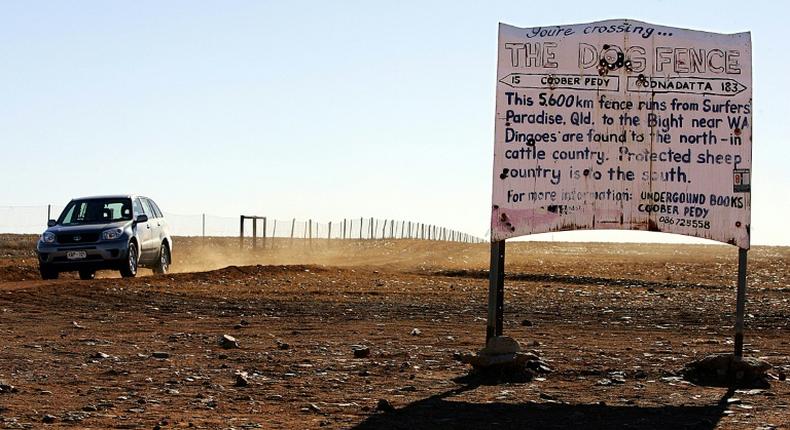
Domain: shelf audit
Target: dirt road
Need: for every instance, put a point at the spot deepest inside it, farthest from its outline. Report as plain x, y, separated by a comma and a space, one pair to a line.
615, 323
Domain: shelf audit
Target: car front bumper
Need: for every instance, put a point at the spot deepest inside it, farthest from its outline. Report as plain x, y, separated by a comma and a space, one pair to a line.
99, 255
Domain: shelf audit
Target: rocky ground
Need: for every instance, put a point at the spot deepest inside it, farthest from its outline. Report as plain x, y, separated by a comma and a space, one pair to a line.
363, 335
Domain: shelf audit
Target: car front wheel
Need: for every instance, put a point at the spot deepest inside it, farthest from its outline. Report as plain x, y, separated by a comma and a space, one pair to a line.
48, 272
163, 263
129, 270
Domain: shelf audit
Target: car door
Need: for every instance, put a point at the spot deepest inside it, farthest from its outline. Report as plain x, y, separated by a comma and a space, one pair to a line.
144, 230
156, 225
161, 222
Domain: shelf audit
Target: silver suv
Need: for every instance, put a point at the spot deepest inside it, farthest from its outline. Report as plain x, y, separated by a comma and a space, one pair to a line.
120, 232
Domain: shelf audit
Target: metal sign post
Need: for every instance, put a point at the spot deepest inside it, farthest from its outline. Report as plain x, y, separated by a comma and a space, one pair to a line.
496, 290
741, 303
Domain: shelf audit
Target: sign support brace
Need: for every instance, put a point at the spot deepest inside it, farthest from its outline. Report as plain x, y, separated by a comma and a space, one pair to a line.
741, 303
496, 290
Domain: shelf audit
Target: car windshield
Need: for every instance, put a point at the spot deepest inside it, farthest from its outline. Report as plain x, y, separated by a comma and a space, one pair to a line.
96, 211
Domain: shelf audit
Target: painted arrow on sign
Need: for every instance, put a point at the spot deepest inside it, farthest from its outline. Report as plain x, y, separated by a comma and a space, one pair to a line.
572, 82
685, 85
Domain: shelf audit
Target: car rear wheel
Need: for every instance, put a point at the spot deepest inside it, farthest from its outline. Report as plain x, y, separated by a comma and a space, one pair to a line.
129, 270
87, 274
163, 263
48, 272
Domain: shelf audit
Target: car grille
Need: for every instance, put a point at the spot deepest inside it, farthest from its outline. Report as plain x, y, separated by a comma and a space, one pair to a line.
66, 260
78, 238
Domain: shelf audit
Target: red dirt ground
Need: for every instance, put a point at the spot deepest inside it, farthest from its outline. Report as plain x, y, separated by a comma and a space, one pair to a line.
82, 352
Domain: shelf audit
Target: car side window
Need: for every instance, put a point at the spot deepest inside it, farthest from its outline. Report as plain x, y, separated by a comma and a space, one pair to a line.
138, 207
156, 209
148, 209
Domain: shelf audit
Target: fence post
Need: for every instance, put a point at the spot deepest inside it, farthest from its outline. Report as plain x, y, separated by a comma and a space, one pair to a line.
274, 232
372, 228
293, 226
241, 231
254, 232
49, 213
344, 228
329, 235
204, 227
310, 233
264, 233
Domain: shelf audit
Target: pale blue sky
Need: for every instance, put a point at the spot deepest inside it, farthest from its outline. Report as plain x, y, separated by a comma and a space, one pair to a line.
309, 109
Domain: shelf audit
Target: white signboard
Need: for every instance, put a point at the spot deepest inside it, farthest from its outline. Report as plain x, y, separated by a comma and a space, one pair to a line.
623, 125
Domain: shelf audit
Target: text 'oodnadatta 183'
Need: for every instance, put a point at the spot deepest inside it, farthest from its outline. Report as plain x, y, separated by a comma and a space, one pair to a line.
623, 125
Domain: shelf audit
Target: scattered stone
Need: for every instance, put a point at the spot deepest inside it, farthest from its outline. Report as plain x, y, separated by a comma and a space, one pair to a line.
384, 406
502, 360
100, 356
313, 407
753, 392
241, 380
77, 325
722, 370
6, 388
360, 351
499, 345
617, 377
160, 355
416, 332
526, 323
282, 345
228, 342
48, 419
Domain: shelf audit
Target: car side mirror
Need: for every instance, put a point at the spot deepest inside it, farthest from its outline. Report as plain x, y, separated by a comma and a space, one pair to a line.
142, 219
52, 223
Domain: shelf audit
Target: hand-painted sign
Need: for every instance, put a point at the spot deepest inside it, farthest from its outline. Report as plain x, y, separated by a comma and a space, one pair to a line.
623, 125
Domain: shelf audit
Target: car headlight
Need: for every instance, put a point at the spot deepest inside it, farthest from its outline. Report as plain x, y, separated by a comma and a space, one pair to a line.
48, 237
112, 234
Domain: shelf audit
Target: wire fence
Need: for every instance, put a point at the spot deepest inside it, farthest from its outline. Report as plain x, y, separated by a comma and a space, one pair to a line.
33, 220
348, 228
